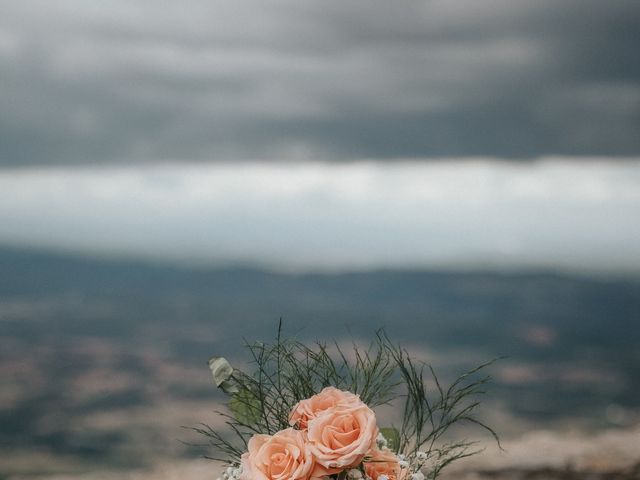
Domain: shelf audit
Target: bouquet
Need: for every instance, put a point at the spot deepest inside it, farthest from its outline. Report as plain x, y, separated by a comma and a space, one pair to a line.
307, 413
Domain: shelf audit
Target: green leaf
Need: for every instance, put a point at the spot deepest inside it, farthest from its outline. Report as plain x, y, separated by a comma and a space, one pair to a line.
245, 407
392, 436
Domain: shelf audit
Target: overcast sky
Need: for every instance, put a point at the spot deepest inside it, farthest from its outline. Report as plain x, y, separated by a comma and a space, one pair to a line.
124, 81
324, 134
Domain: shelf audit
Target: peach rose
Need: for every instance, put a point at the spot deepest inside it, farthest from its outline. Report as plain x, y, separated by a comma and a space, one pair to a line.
283, 456
341, 436
329, 397
384, 462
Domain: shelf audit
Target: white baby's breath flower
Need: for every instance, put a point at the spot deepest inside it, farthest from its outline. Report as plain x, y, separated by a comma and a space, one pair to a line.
417, 476
403, 463
355, 474
381, 441
421, 456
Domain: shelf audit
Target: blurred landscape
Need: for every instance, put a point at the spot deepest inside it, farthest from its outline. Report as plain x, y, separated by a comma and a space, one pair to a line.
103, 361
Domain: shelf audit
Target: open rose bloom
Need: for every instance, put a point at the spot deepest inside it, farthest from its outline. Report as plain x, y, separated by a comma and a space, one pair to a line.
332, 432
384, 462
328, 399
342, 436
285, 455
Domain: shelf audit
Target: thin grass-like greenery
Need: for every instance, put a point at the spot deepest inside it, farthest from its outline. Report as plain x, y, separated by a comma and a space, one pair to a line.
288, 371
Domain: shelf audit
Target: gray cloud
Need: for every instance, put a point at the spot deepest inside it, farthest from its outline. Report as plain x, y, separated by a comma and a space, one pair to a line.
121, 81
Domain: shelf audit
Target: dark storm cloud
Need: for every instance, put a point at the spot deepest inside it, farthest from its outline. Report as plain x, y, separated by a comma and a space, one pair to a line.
121, 81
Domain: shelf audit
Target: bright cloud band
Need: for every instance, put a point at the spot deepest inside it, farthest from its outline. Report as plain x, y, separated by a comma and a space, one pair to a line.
558, 213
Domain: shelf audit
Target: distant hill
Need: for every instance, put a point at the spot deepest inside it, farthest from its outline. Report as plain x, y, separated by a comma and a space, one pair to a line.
484, 310
570, 341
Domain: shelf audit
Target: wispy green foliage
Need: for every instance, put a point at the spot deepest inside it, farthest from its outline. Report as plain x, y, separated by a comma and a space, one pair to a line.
431, 409
288, 371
